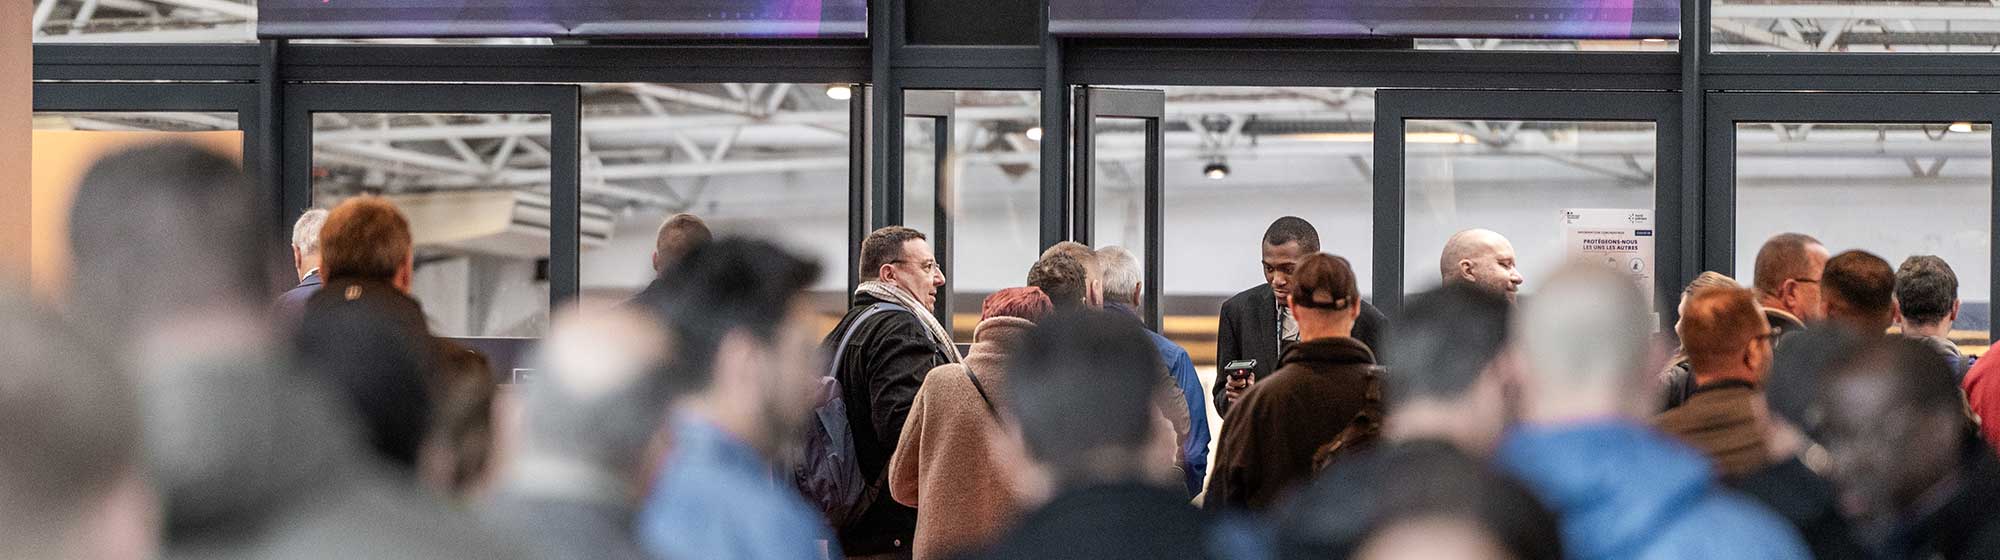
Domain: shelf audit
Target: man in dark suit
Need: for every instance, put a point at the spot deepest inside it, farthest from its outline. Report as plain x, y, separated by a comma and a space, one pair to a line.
305, 260
1255, 324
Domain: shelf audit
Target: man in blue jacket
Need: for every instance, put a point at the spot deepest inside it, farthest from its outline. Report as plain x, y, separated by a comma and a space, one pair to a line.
1623, 491
1123, 286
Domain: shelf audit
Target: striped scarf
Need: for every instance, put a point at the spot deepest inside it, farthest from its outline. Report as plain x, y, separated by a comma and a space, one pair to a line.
890, 292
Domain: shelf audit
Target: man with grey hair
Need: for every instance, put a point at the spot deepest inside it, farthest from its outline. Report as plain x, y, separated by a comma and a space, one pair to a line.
1124, 288
1583, 447
305, 261
1481, 257
591, 434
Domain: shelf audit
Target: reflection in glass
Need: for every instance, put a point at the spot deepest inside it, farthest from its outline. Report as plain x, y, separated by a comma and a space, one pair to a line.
157, 121
1590, 45
763, 160
475, 190
1894, 190
1516, 178
1872, 26
144, 21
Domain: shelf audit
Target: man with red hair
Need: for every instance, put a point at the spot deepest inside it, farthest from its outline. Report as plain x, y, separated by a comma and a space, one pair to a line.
1729, 346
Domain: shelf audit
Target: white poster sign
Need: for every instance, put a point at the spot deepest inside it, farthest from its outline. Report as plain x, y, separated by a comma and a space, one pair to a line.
1619, 238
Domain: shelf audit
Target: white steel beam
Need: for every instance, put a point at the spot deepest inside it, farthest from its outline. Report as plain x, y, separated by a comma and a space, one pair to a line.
1856, 11
245, 11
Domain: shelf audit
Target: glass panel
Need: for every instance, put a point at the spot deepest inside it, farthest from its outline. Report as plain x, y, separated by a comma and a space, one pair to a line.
136, 121
1303, 152
1873, 26
1516, 178
65, 145
774, 167
144, 21
920, 165
1647, 45
1895, 190
995, 231
1118, 196
475, 190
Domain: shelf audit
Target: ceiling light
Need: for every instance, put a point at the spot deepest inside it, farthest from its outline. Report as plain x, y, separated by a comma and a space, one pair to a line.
1217, 170
1035, 134
1960, 127
840, 92
1653, 40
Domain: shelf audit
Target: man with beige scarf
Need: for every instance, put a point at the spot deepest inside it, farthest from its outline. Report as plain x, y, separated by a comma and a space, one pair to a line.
880, 370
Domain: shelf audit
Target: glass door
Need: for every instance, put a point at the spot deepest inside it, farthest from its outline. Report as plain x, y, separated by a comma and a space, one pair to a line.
486, 175
1561, 175
1897, 175
1119, 155
927, 180
75, 123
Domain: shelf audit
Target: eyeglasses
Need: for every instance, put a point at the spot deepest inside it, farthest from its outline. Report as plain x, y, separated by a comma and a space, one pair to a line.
926, 266
1805, 280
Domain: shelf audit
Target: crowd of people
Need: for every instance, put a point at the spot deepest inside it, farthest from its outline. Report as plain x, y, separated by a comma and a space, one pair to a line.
202, 410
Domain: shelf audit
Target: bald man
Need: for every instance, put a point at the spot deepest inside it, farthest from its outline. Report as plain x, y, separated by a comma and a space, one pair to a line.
679, 235
1482, 258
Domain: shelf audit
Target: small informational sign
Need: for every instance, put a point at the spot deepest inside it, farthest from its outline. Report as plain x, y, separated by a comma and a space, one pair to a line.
1619, 238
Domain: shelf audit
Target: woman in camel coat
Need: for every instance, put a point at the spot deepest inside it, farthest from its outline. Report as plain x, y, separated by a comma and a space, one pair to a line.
942, 465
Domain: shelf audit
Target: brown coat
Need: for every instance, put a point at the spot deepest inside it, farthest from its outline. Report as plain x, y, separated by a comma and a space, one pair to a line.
1721, 422
1270, 436
942, 465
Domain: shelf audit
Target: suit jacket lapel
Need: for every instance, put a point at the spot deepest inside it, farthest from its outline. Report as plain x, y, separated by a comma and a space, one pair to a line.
1264, 333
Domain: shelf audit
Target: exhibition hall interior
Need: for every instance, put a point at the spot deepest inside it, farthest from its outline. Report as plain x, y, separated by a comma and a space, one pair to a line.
535, 150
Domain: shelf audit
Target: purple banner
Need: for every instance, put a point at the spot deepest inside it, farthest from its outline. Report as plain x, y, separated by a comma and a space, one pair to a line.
1536, 19
805, 19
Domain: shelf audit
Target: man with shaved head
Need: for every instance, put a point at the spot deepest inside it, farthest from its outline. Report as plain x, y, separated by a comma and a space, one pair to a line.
678, 236
1483, 258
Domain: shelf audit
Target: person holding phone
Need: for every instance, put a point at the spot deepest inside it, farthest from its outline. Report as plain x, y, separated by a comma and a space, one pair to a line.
1273, 437
1255, 325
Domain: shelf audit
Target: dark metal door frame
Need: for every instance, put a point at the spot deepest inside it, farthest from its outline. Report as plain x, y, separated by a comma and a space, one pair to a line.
1726, 110
860, 166
939, 106
120, 97
1674, 262
560, 102
1149, 106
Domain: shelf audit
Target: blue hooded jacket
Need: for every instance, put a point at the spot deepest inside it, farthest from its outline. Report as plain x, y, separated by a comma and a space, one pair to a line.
1625, 492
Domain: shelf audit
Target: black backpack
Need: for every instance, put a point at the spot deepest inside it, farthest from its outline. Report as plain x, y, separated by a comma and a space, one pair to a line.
828, 475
